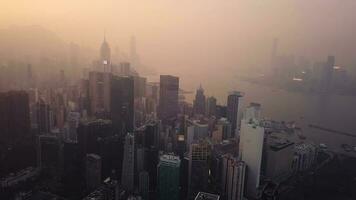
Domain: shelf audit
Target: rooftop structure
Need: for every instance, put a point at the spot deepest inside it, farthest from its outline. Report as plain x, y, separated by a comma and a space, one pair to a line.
206, 196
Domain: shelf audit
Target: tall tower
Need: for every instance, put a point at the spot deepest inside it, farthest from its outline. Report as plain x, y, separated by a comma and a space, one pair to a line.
200, 101
211, 106
105, 54
122, 103
168, 177
232, 109
127, 177
93, 171
250, 149
199, 154
168, 101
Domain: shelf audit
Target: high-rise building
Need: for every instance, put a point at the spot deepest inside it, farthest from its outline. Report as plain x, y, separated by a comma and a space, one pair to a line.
199, 102
222, 131
236, 180
232, 109
105, 53
43, 117
196, 130
127, 177
168, 98
251, 152
211, 106
14, 117
253, 111
140, 86
327, 74
93, 171
90, 133
152, 134
122, 104
143, 185
199, 154
152, 159
168, 177
279, 158
98, 137
99, 93
48, 153
125, 69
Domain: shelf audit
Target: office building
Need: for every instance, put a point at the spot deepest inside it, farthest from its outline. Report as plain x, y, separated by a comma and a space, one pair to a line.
211, 106
143, 185
168, 98
236, 180
279, 158
127, 177
43, 113
199, 102
232, 109
222, 130
253, 111
199, 154
93, 171
105, 53
99, 93
251, 151
305, 156
122, 104
168, 177
48, 153
14, 117
140, 86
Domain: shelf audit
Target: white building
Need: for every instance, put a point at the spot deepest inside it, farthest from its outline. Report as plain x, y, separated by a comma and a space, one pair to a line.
251, 146
253, 111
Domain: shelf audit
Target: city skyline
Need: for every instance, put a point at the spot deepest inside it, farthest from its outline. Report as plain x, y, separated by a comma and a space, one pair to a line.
168, 100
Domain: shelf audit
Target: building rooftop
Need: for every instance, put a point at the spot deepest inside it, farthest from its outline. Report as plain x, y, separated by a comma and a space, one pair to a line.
169, 159
206, 196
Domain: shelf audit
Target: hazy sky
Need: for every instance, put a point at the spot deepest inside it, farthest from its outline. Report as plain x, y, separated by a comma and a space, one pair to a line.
174, 35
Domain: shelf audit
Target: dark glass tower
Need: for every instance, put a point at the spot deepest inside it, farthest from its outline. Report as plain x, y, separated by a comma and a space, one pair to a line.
122, 104
232, 109
168, 97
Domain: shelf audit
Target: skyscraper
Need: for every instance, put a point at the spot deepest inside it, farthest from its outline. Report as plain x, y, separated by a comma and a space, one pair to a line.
253, 111
99, 93
43, 117
93, 171
143, 185
327, 74
168, 177
251, 147
14, 117
127, 177
199, 102
199, 153
122, 104
105, 53
211, 106
236, 180
232, 109
168, 101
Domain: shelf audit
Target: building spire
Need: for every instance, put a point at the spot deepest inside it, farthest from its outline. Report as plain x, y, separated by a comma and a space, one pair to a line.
104, 35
